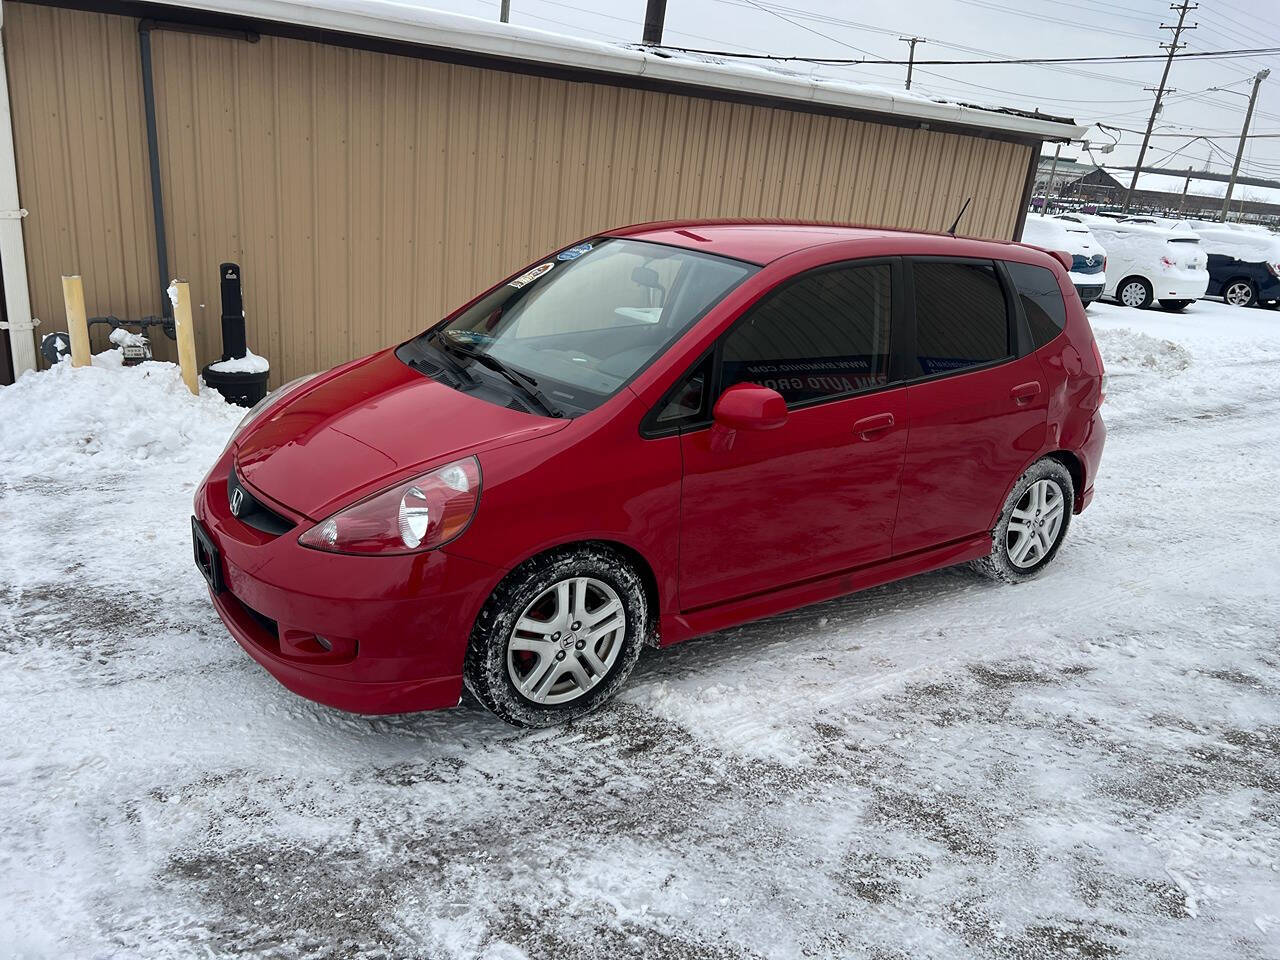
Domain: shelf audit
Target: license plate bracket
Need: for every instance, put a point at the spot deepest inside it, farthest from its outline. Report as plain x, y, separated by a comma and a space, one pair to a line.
208, 560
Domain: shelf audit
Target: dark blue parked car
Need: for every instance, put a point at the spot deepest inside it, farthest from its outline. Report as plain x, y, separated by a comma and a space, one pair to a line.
1244, 264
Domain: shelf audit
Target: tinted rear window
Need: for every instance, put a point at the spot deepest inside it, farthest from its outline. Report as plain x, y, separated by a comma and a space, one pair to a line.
960, 316
1041, 300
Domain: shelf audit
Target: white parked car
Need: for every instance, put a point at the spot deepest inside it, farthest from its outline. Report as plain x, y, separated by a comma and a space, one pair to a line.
1150, 259
1088, 258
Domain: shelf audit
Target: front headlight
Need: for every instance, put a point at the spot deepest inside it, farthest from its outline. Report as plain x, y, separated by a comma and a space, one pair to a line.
418, 514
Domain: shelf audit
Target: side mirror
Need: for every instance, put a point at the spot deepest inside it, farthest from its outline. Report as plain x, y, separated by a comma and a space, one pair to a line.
749, 406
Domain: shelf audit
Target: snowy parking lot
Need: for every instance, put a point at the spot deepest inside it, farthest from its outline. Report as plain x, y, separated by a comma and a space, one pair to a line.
1087, 765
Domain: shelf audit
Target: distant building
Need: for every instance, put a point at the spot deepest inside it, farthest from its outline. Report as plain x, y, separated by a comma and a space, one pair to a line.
1065, 173
1189, 193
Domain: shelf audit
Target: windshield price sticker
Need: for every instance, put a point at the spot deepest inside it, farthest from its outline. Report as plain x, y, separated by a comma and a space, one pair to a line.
531, 275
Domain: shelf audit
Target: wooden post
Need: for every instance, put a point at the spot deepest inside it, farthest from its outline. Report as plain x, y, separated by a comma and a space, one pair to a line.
180, 296
77, 322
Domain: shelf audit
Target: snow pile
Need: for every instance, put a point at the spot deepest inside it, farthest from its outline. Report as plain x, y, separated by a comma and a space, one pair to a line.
1206, 362
1127, 351
107, 418
249, 363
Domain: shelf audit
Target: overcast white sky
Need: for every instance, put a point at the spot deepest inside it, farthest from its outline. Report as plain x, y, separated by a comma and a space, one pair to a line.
957, 29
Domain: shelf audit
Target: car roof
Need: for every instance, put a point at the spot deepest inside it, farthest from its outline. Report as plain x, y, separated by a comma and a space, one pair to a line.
763, 241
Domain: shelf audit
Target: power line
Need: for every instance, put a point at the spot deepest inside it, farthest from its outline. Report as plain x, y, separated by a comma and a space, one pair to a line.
1247, 28
1047, 19
872, 28
1269, 135
1016, 61
816, 33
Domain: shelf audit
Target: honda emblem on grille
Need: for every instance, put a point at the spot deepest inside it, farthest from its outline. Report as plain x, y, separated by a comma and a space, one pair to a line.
237, 500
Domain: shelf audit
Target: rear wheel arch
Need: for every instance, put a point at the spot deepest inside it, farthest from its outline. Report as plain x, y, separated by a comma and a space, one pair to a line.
1075, 467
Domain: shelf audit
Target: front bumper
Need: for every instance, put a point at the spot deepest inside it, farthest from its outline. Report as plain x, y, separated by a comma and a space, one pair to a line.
364, 634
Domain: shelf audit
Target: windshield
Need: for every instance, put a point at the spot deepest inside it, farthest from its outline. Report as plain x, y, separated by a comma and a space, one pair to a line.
580, 325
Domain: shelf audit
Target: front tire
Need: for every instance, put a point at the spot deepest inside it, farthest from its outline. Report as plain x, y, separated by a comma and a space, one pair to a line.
1134, 292
558, 637
1032, 525
1175, 306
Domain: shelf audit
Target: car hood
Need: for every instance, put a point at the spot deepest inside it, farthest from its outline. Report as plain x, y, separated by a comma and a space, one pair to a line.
364, 426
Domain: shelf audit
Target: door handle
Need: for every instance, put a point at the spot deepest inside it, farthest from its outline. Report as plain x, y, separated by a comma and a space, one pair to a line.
1025, 392
868, 428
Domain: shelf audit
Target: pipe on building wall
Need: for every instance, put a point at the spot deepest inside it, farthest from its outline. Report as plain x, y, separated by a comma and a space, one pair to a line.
153, 160
1028, 187
145, 27
13, 254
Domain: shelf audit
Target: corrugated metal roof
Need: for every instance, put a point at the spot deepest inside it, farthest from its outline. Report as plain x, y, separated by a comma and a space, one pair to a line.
433, 28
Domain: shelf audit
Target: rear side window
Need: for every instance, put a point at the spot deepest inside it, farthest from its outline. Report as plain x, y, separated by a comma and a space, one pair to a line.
1041, 300
960, 316
821, 336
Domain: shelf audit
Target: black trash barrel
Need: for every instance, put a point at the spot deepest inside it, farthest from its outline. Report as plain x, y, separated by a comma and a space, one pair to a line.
242, 389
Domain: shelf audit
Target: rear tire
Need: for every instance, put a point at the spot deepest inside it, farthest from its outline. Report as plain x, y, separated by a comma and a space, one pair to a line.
1134, 292
1240, 293
1032, 525
558, 636
1175, 306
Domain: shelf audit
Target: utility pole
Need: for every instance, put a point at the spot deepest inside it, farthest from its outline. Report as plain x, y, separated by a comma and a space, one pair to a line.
1186, 185
911, 57
1244, 135
1173, 47
655, 13
505, 15
1053, 172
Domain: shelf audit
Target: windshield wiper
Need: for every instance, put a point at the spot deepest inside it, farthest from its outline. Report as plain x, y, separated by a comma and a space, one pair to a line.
522, 380
443, 343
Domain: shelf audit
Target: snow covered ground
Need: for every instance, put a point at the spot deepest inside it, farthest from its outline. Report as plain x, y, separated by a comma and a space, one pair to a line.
1087, 765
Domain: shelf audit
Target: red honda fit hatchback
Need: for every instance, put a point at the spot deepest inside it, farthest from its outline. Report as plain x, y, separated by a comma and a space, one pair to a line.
659, 432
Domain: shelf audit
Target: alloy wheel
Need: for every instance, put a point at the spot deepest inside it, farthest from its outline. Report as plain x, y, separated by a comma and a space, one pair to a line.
566, 640
1035, 524
1133, 294
1239, 294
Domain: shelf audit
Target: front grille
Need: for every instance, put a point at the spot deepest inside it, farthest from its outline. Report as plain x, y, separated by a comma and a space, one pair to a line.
262, 620
252, 512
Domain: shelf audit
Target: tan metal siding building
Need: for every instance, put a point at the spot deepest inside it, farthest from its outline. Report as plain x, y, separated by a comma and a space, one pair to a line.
367, 192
